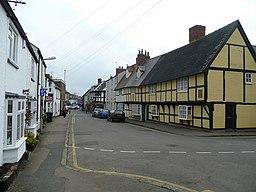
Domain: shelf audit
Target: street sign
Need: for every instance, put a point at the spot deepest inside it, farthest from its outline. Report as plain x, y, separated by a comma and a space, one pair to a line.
41, 92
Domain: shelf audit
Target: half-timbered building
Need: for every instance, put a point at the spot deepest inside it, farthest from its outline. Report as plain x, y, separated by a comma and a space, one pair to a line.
208, 83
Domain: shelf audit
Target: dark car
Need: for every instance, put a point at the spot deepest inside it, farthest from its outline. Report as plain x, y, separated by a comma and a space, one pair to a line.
116, 115
95, 112
103, 114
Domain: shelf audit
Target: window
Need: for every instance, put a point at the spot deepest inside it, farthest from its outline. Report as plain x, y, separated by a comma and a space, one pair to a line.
32, 106
15, 121
12, 43
136, 109
185, 112
152, 88
182, 84
200, 93
122, 91
154, 110
248, 78
132, 90
32, 68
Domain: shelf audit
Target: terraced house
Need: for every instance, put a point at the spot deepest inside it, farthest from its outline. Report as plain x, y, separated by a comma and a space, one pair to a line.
208, 83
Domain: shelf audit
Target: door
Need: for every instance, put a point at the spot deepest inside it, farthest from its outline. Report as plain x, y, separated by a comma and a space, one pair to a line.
230, 116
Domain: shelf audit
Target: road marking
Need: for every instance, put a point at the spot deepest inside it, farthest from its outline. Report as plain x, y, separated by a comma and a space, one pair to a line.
247, 151
177, 152
106, 150
151, 151
226, 152
91, 149
127, 151
156, 182
72, 146
203, 152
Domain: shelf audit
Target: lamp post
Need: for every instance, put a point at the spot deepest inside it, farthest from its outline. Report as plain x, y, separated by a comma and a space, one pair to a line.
41, 90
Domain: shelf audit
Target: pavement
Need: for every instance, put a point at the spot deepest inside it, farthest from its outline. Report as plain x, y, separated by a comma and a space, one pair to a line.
192, 131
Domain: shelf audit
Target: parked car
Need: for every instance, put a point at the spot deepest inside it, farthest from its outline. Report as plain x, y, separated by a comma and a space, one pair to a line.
116, 115
95, 112
103, 114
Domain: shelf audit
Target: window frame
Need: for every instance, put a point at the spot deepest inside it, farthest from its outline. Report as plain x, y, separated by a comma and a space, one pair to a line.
185, 112
182, 84
15, 121
136, 109
248, 78
152, 88
12, 45
154, 110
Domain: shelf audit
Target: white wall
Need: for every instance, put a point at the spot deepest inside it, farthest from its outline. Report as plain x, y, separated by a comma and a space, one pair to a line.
3, 58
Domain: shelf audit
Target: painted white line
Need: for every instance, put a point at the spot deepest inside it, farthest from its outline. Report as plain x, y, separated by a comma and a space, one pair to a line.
90, 149
177, 152
106, 150
203, 152
226, 152
127, 151
72, 147
247, 151
151, 151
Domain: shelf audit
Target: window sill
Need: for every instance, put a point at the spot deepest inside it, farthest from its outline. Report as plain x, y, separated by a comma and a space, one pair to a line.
12, 63
15, 146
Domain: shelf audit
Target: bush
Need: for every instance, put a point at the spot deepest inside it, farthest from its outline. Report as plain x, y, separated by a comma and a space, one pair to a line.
31, 139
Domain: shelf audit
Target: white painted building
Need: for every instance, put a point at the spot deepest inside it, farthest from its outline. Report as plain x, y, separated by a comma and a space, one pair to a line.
110, 89
18, 86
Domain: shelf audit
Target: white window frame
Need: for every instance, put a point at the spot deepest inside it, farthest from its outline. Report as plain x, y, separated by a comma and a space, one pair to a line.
136, 109
32, 106
32, 68
182, 84
15, 121
152, 88
133, 90
12, 45
122, 91
185, 112
154, 110
248, 78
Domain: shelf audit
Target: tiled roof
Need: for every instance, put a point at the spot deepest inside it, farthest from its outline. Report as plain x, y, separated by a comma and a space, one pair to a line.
193, 58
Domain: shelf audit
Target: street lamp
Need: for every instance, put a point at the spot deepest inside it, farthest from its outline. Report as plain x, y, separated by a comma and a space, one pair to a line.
50, 58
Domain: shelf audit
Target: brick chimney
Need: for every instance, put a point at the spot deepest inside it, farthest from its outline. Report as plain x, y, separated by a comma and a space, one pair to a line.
142, 57
120, 69
99, 81
196, 32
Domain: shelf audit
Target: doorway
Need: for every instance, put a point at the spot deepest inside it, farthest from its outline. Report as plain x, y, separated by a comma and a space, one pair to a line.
230, 116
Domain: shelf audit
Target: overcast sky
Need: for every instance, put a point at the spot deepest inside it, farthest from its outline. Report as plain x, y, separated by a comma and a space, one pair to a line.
90, 38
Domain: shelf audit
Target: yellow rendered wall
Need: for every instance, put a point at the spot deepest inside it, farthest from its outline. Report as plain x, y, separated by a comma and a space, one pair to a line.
200, 79
222, 58
215, 85
250, 64
197, 113
219, 116
182, 96
236, 38
234, 86
246, 116
250, 90
236, 57
192, 94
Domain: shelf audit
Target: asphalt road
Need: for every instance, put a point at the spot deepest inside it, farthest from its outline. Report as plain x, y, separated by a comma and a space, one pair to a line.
160, 159
82, 153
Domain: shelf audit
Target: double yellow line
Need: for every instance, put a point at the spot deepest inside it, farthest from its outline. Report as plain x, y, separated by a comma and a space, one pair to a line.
146, 179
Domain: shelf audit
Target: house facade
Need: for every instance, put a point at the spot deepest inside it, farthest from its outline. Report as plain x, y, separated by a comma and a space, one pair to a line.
111, 84
95, 97
208, 83
18, 86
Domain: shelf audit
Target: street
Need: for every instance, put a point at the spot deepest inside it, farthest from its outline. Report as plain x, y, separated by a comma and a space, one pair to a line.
84, 153
217, 164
